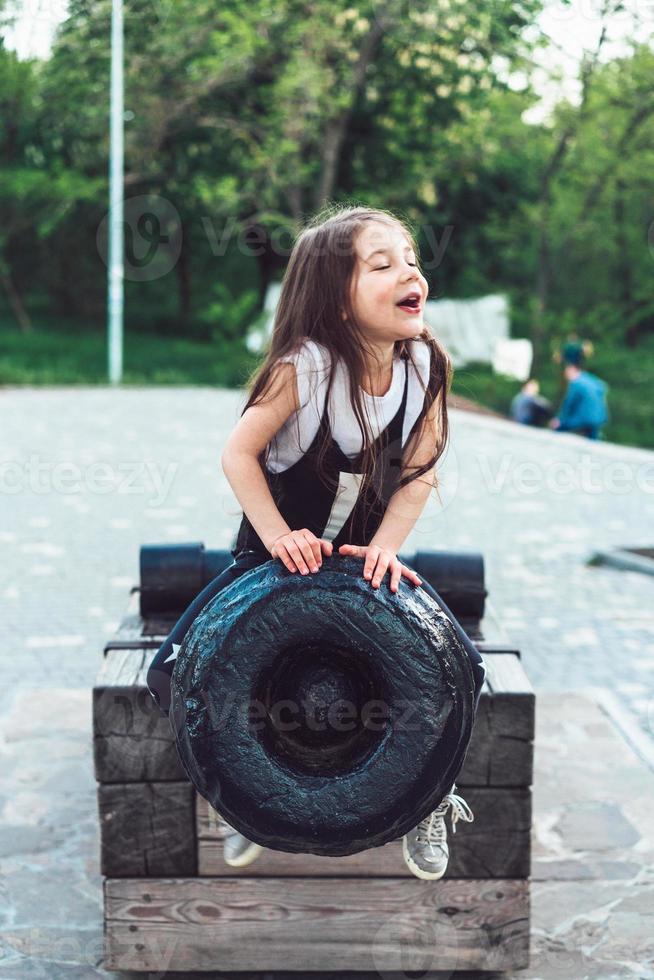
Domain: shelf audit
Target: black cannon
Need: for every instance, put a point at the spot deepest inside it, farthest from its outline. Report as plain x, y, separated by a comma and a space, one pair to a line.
317, 714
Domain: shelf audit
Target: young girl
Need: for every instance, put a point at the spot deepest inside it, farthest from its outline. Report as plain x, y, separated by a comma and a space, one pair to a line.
337, 444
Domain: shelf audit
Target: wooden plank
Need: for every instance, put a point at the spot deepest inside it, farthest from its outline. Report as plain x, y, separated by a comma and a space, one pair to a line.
147, 829
125, 668
134, 628
131, 625
507, 676
133, 740
497, 844
494, 646
493, 637
315, 924
501, 750
513, 697
495, 757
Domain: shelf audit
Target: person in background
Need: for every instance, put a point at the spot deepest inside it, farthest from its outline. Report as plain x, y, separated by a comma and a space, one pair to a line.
584, 409
529, 407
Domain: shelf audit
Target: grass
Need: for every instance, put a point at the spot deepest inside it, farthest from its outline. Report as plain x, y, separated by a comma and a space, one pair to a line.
64, 352
61, 352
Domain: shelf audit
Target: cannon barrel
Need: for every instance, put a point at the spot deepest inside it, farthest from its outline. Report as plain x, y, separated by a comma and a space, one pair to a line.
172, 575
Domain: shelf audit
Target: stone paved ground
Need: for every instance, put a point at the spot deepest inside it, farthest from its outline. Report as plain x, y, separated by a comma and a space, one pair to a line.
89, 474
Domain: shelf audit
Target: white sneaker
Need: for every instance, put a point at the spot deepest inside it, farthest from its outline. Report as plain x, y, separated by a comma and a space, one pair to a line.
425, 849
238, 851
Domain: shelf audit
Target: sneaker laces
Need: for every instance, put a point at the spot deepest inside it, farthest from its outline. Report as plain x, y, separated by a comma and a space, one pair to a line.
433, 829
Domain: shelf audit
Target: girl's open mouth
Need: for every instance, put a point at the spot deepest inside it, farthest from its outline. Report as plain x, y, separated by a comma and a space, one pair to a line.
411, 305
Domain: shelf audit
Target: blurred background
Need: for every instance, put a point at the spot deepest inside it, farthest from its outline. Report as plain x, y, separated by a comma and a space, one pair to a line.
517, 136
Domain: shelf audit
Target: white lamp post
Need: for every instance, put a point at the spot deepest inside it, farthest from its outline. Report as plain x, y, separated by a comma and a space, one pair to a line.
115, 271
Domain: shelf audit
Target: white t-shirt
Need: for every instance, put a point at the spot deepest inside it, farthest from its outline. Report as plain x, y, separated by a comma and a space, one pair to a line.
312, 362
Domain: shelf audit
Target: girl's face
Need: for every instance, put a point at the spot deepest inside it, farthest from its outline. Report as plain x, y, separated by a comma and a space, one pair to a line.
384, 275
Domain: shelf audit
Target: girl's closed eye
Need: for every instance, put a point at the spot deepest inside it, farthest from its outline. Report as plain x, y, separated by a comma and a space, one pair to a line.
380, 267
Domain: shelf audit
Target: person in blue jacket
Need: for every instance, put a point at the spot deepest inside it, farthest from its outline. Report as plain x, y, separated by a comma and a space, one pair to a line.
584, 409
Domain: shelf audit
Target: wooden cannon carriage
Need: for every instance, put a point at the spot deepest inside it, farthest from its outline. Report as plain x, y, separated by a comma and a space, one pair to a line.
171, 902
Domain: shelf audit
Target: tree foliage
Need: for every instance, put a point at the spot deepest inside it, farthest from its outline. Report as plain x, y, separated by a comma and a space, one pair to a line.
248, 116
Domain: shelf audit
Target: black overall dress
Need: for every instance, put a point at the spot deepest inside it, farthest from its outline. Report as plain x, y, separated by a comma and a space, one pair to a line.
305, 501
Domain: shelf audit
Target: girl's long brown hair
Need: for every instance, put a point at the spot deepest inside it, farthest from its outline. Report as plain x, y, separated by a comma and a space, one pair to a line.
315, 289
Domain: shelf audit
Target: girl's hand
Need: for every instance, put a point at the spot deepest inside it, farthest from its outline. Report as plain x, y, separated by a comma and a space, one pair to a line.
377, 560
300, 550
